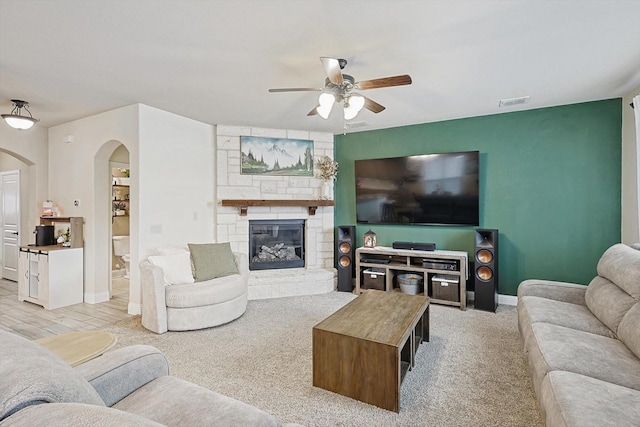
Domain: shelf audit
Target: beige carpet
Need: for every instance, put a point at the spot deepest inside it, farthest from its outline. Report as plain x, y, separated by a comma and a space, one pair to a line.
472, 373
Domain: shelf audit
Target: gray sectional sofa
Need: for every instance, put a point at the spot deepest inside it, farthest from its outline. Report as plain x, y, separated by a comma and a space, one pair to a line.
583, 343
130, 386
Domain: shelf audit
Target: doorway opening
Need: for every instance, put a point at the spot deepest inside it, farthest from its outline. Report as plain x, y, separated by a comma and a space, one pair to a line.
120, 223
10, 222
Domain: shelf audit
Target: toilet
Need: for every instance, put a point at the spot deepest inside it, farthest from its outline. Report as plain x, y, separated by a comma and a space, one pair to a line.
121, 250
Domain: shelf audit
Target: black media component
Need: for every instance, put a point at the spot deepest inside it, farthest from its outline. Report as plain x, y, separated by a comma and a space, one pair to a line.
436, 189
45, 235
486, 270
441, 264
375, 260
345, 256
415, 246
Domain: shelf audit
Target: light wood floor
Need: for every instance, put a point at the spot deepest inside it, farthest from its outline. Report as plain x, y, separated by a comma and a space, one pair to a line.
33, 321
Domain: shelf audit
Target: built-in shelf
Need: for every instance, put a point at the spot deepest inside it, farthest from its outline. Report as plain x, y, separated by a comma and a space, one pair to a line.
75, 227
243, 205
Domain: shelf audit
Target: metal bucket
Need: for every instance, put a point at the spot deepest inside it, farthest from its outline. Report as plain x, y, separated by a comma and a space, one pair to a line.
410, 283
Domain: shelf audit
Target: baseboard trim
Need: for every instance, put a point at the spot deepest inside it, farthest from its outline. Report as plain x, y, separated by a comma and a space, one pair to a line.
96, 298
507, 300
134, 309
502, 299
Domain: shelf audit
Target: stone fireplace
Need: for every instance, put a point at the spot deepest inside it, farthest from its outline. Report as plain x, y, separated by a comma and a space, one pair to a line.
316, 274
276, 244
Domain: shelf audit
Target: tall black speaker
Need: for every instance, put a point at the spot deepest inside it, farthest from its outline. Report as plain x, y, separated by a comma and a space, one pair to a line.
486, 270
345, 252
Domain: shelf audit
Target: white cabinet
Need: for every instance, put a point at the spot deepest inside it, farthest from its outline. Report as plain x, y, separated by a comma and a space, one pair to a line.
51, 276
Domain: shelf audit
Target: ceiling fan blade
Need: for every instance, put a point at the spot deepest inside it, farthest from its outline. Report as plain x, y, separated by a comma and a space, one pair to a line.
332, 68
314, 111
296, 89
372, 105
402, 80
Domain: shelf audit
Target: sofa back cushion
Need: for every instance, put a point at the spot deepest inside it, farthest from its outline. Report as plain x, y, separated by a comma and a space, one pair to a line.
31, 375
629, 329
621, 264
616, 289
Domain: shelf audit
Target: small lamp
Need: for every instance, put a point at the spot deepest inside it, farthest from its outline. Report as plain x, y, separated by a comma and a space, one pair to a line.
369, 239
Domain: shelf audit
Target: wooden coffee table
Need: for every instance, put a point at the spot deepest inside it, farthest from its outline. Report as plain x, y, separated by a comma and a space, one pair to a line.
78, 347
365, 349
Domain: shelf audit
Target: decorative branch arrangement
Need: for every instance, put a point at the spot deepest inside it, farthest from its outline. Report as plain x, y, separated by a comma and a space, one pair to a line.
327, 168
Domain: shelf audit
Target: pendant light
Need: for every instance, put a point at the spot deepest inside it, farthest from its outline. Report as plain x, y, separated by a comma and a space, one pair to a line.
16, 120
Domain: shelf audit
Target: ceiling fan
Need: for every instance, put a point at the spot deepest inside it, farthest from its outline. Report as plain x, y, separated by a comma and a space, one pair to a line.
342, 89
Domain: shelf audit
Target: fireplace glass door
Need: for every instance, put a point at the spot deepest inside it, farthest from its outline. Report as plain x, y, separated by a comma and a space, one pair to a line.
276, 244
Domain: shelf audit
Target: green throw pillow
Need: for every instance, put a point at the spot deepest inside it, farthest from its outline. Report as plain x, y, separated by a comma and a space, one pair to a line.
211, 260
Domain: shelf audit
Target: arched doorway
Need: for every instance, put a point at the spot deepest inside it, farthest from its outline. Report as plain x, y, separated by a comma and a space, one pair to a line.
112, 154
119, 166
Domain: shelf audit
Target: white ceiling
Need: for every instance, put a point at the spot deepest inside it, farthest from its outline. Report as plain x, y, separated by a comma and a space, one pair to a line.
214, 61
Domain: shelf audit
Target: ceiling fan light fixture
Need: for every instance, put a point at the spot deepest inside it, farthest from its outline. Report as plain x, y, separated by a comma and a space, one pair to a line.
326, 101
16, 120
352, 106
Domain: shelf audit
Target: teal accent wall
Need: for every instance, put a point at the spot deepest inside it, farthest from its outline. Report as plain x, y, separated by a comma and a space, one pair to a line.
550, 182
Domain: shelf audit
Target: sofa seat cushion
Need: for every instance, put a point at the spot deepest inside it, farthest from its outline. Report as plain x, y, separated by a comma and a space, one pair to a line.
558, 348
31, 375
159, 399
210, 292
570, 399
536, 309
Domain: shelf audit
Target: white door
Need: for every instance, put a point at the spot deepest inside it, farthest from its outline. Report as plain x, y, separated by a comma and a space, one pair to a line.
10, 224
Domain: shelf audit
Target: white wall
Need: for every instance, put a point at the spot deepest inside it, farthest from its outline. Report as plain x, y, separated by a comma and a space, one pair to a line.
29, 148
630, 232
80, 171
171, 160
176, 181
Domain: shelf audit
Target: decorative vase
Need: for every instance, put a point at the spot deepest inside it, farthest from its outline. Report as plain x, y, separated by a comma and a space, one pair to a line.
327, 187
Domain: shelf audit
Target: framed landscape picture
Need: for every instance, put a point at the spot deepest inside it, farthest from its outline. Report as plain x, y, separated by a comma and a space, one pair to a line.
276, 156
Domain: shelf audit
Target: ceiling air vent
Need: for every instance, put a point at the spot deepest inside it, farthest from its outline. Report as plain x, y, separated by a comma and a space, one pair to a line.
513, 101
357, 125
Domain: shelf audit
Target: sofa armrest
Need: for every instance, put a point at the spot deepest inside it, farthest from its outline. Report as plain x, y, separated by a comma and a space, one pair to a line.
118, 373
560, 291
75, 414
154, 305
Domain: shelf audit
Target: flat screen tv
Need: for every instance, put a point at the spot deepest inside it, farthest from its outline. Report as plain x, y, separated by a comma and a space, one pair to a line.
435, 189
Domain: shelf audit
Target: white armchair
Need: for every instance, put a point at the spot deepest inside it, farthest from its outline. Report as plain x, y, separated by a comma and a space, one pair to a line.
189, 306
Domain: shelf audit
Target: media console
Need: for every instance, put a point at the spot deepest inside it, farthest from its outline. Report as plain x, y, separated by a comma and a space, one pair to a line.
390, 262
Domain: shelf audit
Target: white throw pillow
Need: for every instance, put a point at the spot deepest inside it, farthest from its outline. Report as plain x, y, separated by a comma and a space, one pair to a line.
176, 267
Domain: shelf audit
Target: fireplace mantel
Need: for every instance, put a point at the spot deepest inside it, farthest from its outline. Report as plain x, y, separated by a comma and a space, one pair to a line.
243, 205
